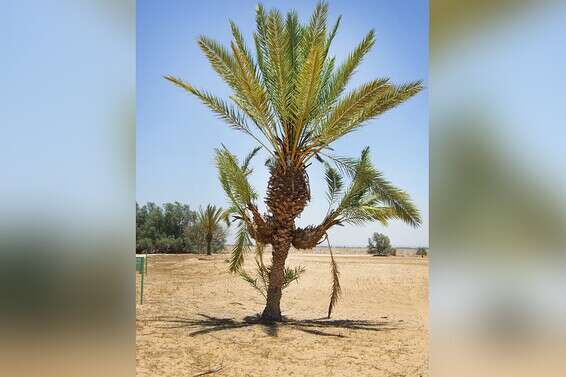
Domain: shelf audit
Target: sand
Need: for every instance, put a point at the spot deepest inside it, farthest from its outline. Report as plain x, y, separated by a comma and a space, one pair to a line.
197, 318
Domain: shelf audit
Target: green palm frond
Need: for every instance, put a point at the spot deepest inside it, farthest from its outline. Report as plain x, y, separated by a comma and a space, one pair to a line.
220, 59
278, 70
332, 34
248, 159
239, 71
254, 282
224, 111
261, 269
241, 46
347, 112
308, 79
234, 180
346, 69
290, 92
251, 96
241, 247
292, 274
370, 197
210, 216
388, 99
335, 184
260, 279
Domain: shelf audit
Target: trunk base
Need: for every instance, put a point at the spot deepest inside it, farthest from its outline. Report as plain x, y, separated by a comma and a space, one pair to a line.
268, 316
272, 311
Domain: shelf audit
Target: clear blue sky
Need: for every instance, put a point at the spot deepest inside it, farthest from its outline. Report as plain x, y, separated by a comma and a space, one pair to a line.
176, 135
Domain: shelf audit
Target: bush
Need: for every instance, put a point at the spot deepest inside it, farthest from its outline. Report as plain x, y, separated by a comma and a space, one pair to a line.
422, 252
144, 245
380, 245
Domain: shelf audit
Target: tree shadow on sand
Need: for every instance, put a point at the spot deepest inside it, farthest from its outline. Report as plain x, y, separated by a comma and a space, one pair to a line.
322, 327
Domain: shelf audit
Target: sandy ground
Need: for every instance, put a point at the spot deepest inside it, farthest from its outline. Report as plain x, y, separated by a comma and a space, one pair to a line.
198, 318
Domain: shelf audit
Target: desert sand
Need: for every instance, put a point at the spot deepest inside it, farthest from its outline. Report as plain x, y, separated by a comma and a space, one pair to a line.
198, 319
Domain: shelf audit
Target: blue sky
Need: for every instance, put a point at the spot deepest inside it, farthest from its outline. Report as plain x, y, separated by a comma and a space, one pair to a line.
176, 135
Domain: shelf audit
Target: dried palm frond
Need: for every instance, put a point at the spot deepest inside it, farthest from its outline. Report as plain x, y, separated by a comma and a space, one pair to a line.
336, 289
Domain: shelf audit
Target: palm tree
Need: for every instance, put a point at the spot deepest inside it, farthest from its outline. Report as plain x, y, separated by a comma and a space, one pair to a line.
290, 98
209, 220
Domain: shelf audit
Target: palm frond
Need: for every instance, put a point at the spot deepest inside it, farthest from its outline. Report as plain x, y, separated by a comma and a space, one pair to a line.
290, 93
242, 245
308, 80
253, 281
370, 197
261, 269
248, 159
388, 99
292, 274
251, 96
224, 111
260, 279
348, 111
346, 69
335, 184
278, 70
234, 180
220, 59
336, 289
332, 34
260, 39
239, 72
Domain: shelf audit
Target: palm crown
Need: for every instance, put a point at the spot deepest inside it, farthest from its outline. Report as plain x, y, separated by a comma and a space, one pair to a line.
290, 98
209, 220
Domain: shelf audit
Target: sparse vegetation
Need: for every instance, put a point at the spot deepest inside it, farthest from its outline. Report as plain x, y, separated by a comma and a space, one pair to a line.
422, 252
380, 245
290, 99
260, 282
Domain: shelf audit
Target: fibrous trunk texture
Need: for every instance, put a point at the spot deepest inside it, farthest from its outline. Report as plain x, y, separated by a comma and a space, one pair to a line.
308, 237
208, 245
272, 311
287, 195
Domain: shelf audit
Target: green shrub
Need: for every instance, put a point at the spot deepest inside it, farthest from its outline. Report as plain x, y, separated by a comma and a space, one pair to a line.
422, 252
380, 245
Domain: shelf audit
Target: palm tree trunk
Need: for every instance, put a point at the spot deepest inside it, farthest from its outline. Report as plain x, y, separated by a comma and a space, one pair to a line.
281, 245
208, 245
287, 195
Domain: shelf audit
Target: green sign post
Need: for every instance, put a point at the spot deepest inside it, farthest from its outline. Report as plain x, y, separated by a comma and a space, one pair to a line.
141, 267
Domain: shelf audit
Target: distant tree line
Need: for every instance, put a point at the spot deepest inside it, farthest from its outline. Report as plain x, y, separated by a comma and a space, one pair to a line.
176, 228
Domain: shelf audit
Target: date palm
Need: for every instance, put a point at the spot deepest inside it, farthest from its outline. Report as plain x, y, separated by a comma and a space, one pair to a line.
209, 221
291, 98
